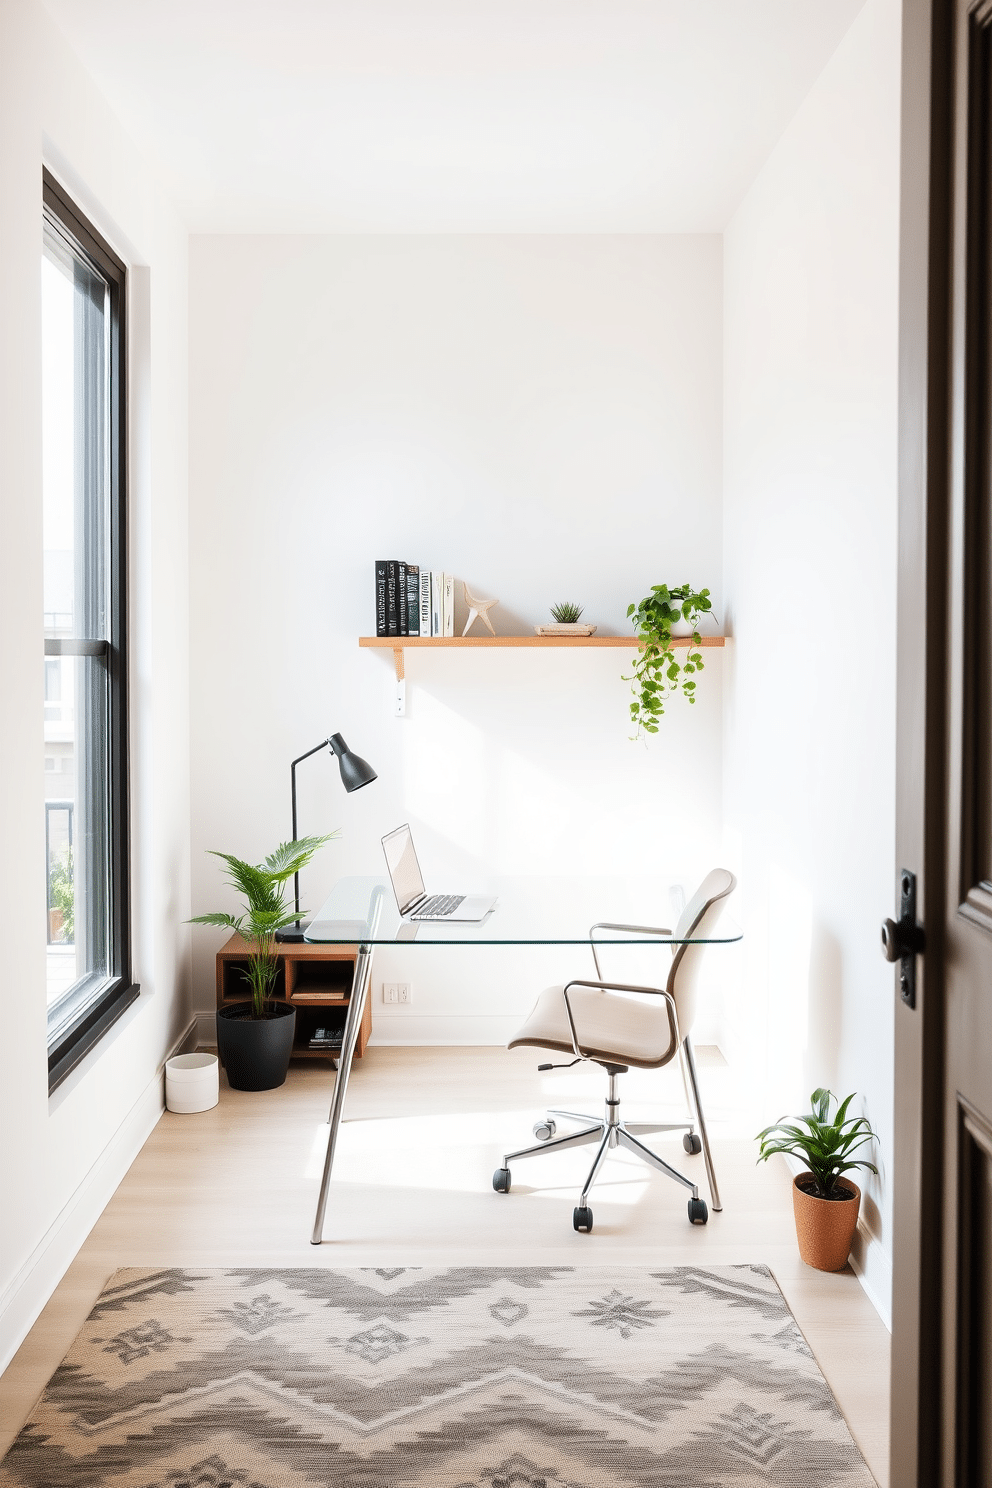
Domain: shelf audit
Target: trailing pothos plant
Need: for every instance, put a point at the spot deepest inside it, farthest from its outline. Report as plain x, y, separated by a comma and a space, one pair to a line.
826, 1147
263, 889
658, 672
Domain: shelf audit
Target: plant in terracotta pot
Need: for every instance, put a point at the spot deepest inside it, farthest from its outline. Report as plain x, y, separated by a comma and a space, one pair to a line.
255, 1038
825, 1203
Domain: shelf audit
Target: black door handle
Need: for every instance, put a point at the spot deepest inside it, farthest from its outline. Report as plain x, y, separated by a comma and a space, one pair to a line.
904, 939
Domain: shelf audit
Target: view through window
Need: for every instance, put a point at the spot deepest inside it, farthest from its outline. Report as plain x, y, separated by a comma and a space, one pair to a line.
84, 709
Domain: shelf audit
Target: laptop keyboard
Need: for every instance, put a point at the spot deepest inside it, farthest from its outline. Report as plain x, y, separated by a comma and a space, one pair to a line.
437, 906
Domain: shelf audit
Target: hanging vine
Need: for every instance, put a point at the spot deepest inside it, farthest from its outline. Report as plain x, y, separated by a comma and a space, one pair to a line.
658, 671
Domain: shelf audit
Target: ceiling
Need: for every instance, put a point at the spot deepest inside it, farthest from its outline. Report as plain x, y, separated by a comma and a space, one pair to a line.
456, 115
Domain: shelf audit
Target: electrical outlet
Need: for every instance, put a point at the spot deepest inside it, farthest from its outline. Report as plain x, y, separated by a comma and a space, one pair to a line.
404, 992
389, 992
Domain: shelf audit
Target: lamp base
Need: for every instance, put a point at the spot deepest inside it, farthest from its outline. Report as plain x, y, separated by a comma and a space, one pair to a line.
293, 934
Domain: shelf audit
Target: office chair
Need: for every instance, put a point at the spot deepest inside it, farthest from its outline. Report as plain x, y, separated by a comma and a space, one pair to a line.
617, 1026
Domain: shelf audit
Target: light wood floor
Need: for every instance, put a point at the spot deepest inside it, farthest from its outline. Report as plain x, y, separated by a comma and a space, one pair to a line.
237, 1186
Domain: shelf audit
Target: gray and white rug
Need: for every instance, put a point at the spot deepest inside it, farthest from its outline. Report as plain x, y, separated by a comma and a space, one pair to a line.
462, 1377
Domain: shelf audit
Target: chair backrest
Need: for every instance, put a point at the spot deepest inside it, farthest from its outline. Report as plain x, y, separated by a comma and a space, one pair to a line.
700, 917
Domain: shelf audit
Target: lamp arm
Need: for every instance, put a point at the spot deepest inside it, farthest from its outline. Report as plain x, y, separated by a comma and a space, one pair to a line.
292, 777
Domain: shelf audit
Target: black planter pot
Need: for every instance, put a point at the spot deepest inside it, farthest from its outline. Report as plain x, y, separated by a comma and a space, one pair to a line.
255, 1052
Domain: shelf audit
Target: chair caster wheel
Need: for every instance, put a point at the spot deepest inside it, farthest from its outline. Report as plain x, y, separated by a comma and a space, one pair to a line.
544, 1130
501, 1181
692, 1144
582, 1218
698, 1212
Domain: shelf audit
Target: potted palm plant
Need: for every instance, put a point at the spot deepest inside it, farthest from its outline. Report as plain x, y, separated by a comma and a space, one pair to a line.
825, 1203
255, 1037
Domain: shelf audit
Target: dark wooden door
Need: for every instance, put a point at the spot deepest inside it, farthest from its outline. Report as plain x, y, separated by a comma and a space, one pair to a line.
942, 1244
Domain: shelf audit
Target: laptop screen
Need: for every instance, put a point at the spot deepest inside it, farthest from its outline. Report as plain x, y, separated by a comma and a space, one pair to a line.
404, 870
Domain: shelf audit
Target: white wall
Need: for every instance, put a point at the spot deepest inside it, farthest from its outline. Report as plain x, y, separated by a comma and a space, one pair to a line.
62, 1158
810, 565
539, 415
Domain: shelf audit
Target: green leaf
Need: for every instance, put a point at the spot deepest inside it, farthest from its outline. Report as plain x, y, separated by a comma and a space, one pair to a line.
254, 884
826, 1147
290, 857
222, 921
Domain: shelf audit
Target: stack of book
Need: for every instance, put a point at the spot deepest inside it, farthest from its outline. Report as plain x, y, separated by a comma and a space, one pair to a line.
413, 601
328, 1039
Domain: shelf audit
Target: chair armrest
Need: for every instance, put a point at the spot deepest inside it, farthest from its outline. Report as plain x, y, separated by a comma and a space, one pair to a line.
673, 1017
637, 929
611, 925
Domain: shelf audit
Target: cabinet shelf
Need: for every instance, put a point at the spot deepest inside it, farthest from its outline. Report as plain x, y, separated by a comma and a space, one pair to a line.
400, 644
321, 974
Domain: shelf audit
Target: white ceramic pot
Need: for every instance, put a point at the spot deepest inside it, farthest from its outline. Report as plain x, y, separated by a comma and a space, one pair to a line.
192, 1083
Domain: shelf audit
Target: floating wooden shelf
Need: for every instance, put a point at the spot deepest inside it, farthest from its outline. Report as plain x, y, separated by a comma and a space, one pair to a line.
399, 644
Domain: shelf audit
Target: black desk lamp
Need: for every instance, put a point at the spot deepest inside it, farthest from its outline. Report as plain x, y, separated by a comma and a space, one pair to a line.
355, 773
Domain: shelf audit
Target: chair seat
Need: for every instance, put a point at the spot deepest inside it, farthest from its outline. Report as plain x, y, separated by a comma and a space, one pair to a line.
609, 1026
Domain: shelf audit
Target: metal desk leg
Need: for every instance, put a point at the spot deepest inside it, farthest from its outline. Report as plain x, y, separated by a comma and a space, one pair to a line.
360, 991
703, 1133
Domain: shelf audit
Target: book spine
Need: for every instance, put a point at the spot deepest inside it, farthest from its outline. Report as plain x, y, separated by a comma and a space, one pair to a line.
449, 604
402, 614
413, 598
437, 604
392, 618
425, 601
380, 597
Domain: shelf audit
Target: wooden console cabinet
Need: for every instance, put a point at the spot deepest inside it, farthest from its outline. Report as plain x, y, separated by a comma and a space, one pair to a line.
316, 979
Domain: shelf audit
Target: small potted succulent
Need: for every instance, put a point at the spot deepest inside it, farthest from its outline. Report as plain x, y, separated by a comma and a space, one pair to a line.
566, 617
658, 673
255, 1038
825, 1203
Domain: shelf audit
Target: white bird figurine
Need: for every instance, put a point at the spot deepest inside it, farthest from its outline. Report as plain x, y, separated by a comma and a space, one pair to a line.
478, 609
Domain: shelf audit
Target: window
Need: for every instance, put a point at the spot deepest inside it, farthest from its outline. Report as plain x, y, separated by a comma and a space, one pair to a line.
85, 721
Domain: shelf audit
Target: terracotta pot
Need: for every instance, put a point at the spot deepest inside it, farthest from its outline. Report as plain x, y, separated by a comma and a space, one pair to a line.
825, 1227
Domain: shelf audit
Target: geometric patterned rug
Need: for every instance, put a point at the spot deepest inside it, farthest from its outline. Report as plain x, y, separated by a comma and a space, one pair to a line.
455, 1377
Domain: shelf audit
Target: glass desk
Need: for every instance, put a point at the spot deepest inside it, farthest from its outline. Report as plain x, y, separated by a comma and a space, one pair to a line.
362, 912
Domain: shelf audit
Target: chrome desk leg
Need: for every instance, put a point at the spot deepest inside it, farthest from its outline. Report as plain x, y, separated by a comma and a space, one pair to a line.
703, 1134
352, 1023
689, 1103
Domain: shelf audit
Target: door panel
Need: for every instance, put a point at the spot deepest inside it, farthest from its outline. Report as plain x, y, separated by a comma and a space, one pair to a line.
942, 1301
966, 1453
921, 789
974, 1312
972, 326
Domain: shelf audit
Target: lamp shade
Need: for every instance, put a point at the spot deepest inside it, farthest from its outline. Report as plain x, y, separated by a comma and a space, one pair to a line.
355, 772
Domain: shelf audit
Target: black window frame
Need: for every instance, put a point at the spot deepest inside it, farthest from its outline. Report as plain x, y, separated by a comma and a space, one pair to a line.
76, 1041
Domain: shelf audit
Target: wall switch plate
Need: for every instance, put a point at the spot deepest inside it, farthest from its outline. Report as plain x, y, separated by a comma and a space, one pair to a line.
389, 992
397, 992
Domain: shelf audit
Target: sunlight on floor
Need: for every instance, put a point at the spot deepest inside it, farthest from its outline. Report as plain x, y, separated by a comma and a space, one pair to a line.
456, 1153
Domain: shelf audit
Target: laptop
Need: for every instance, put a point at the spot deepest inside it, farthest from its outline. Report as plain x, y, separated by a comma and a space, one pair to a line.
408, 886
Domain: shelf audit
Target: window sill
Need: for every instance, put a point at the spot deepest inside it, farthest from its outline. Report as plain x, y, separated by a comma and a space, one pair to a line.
74, 1047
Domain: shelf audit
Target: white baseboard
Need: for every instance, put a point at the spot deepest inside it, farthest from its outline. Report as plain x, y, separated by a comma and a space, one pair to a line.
32, 1286
872, 1265
421, 1029
870, 1262
206, 1030
416, 1030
